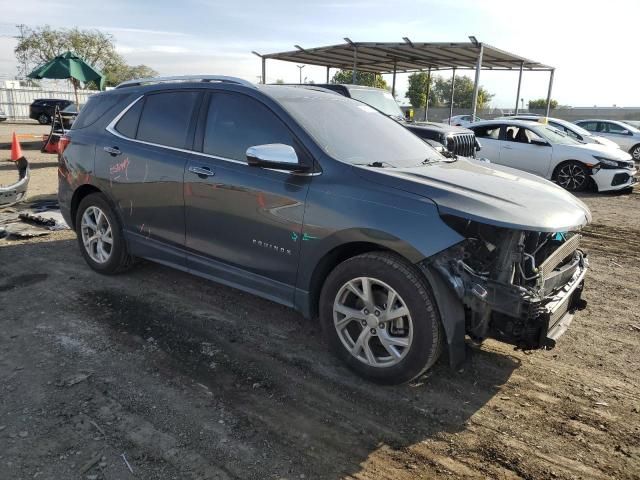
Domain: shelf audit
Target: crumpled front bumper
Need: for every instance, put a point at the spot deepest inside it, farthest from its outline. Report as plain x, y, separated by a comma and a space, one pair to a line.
16, 192
528, 317
614, 179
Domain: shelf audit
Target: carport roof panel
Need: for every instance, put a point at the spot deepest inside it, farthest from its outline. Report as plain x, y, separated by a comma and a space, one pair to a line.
380, 57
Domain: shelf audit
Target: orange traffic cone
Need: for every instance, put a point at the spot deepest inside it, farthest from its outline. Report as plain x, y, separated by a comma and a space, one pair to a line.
16, 149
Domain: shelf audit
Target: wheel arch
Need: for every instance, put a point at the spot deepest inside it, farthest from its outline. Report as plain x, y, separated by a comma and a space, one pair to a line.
81, 192
331, 260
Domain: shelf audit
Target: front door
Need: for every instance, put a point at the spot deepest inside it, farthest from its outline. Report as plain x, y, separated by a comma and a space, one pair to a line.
616, 133
243, 223
525, 150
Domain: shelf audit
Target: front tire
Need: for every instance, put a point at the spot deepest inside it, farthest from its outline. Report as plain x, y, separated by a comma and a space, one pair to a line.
44, 119
379, 316
572, 176
635, 153
100, 236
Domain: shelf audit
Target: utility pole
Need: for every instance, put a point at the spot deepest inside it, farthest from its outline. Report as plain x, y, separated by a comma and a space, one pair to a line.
300, 67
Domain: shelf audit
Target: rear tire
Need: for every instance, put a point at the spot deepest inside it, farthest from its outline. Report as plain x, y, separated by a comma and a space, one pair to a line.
100, 237
391, 331
572, 176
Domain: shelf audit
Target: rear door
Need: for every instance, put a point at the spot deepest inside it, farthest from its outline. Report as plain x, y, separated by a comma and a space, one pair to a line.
142, 163
518, 150
489, 138
244, 223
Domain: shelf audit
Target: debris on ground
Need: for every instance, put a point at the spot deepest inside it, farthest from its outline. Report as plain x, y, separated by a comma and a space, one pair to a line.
31, 220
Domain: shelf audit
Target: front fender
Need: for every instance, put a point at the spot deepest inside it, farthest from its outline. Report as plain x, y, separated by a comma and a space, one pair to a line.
353, 211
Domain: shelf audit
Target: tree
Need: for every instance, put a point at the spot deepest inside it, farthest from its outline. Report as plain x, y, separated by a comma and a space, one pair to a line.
541, 103
121, 72
362, 78
463, 93
280, 81
417, 91
40, 44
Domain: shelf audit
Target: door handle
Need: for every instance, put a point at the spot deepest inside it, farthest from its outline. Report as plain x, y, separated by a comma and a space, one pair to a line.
507, 147
202, 172
113, 151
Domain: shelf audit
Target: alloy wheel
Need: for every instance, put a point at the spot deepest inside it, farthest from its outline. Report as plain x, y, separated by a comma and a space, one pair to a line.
97, 235
373, 322
635, 153
572, 177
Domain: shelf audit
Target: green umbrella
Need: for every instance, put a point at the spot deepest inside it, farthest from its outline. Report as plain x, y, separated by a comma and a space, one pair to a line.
70, 66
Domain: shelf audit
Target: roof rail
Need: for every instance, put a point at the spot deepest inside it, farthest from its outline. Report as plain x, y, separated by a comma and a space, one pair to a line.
186, 78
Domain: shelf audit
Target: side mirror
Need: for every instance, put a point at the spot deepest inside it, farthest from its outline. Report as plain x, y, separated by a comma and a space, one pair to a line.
540, 143
274, 155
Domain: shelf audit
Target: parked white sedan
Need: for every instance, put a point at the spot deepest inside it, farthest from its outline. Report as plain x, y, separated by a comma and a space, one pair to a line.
550, 153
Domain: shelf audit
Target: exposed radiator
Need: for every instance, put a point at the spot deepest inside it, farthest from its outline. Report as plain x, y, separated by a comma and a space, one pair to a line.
566, 249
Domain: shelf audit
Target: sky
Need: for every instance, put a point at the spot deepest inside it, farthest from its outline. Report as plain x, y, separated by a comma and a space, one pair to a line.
594, 45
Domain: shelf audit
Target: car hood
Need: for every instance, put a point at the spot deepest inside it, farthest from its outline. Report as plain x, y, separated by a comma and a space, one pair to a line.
443, 127
488, 193
597, 149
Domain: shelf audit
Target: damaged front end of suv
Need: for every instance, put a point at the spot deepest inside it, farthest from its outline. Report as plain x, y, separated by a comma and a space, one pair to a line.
517, 286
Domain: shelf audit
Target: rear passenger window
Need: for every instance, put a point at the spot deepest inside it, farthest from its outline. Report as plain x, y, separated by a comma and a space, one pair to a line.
128, 124
237, 122
166, 117
490, 131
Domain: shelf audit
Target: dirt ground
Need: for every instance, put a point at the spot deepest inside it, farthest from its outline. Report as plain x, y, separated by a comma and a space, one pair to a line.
180, 378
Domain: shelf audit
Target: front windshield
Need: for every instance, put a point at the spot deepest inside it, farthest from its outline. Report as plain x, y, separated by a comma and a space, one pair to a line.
579, 130
355, 133
378, 99
553, 135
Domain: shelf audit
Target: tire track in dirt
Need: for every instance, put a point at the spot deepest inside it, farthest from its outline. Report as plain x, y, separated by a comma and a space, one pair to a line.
612, 240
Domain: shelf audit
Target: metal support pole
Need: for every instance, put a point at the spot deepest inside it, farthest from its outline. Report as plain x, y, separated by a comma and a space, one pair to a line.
328, 68
355, 65
453, 88
553, 70
476, 85
426, 103
393, 84
519, 83
264, 71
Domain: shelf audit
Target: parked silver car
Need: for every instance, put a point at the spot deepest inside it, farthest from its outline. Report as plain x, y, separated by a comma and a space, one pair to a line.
625, 135
574, 131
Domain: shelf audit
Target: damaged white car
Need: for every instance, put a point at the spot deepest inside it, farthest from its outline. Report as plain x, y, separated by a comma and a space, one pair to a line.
544, 150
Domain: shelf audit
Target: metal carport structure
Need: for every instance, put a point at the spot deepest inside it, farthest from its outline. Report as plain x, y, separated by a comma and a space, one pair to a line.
409, 57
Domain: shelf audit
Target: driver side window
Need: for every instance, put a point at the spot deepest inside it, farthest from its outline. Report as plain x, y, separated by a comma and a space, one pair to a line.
236, 122
613, 128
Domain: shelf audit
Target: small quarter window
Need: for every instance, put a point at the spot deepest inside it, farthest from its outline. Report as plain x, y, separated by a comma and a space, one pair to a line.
128, 124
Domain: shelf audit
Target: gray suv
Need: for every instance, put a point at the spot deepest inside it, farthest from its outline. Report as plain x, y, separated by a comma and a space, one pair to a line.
323, 204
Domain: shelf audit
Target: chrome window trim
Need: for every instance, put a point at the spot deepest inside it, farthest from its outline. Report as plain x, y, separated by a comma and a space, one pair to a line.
111, 128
